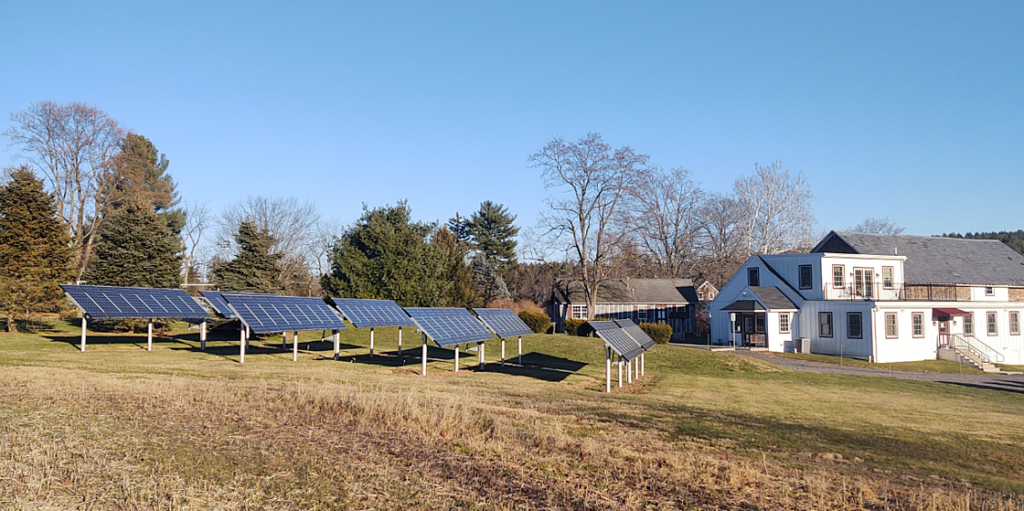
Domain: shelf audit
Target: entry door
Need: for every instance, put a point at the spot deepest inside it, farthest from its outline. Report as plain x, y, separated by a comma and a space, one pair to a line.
862, 281
943, 333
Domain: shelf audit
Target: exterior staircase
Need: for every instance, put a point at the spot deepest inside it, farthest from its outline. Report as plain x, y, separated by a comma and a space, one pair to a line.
969, 350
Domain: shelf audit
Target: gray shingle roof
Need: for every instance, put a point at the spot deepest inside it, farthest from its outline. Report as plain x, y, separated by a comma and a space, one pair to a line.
744, 306
773, 297
639, 291
934, 260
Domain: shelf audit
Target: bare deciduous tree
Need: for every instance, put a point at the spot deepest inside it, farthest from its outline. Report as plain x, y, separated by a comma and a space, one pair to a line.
592, 180
71, 145
663, 217
197, 219
878, 226
775, 208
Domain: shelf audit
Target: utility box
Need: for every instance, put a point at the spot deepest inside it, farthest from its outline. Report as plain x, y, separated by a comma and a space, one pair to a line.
802, 345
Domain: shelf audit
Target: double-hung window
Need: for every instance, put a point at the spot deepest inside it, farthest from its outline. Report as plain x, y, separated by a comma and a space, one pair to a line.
825, 324
888, 277
838, 276
854, 325
806, 277
969, 325
753, 277
641, 313
1014, 323
993, 323
917, 320
783, 322
892, 326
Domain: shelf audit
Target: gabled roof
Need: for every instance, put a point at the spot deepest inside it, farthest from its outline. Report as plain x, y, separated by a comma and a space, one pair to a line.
638, 291
772, 297
744, 306
708, 284
935, 260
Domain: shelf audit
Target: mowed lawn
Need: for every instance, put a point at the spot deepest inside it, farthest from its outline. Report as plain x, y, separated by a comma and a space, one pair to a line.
119, 427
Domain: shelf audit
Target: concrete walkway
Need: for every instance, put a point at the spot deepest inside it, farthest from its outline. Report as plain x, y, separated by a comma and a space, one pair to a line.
1002, 382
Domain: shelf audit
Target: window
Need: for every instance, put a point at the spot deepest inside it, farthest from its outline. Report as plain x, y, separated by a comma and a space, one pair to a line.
888, 278
1014, 323
838, 276
917, 320
969, 325
993, 325
989, 291
783, 322
892, 327
579, 312
759, 323
641, 313
700, 295
825, 324
854, 325
661, 313
753, 278
806, 281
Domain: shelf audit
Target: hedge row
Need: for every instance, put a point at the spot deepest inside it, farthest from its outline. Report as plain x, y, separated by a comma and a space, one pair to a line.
661, 333
537, 321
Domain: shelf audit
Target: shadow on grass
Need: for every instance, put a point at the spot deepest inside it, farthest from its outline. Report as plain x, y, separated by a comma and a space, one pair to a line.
535, 365
91, 339
539, 366
1016, 387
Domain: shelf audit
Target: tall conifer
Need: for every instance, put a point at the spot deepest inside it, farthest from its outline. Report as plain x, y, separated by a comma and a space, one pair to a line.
136, 247
255, 268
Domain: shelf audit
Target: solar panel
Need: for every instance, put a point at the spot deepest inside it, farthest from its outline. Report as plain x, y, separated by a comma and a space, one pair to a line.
118, 302
371, 313
266, 314
617, 339
449, 326
216, 299
503, 322
636, 333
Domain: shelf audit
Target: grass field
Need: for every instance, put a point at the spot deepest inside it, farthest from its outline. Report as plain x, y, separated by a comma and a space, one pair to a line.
118, 427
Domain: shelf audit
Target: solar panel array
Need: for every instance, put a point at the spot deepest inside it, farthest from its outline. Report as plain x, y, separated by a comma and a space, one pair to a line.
636, 333
449, 326
216, 299
617, 339
372, 313
503, 322
115, 302
265, 314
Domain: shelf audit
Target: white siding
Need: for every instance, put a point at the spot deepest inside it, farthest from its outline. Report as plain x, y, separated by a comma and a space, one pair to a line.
840, 343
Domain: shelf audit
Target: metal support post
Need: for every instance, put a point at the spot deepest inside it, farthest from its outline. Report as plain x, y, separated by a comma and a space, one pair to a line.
629, 371
520, 350
371, 342
241, 344
202, 335
424, 354
502, 352
620, 370
456, 358
337, 344
284, 340
399, 341
295, 346
480, 348
643, 357
84, 321
607, 369
149, 336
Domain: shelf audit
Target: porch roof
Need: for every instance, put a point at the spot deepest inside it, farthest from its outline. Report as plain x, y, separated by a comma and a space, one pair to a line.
744, 306
948, 312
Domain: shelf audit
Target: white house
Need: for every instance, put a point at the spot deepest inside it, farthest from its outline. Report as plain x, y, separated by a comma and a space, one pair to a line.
881, 298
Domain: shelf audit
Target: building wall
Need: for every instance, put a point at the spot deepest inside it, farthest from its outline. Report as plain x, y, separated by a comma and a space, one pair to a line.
840, 343
733, 290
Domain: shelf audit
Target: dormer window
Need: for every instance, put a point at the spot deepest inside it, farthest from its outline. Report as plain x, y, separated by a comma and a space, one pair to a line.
990, 291
753, 277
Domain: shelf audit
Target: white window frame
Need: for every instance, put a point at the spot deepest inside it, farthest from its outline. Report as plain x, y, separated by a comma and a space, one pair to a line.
969, 325
641, 313
1014, 322
784, 323
894, 333
578, 312
992, 323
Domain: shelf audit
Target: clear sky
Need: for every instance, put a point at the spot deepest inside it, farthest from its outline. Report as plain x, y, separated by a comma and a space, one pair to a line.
913, 111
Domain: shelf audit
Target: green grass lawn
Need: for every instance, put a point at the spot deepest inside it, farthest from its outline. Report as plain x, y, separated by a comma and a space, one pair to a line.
181, 428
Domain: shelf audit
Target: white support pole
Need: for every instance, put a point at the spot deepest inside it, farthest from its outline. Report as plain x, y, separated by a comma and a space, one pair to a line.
149, 336
248, 333
337, 344
202, 335
424, 354
520, 350
241, 352
371, 342
620, 370
399, 341
295, 346
629, 372
636, 370
502, 352
480, 348
84, 321
607, 369
284, 340
456, 358
643, 356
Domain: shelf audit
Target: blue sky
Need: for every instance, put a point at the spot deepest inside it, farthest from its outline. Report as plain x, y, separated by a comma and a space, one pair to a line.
913, 111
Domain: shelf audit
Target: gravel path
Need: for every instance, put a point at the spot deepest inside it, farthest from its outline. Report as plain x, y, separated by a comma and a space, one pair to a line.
1003, 382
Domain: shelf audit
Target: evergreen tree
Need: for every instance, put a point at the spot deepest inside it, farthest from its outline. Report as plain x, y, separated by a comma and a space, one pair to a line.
492, 232
139, 174
386, 255
462, 290
255, 268
35, 247
489, 283
136, 248
458, 225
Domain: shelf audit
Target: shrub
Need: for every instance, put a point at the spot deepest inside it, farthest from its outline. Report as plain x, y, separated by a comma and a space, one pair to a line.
537, 321
516, 307
659, 332
572, 326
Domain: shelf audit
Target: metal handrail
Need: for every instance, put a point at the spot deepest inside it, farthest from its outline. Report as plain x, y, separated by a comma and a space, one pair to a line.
973, 345
868, 291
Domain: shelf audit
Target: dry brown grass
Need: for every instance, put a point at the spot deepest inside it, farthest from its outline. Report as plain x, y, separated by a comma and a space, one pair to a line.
77, 439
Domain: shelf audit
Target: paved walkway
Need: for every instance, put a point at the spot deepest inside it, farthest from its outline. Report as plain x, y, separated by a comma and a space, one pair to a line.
1003, 382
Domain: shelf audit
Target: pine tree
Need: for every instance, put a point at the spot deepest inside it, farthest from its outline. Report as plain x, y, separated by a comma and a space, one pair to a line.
255, 268
35, 248
489, 283
139, 174
462, 291
492, 232
136, 248
387, 255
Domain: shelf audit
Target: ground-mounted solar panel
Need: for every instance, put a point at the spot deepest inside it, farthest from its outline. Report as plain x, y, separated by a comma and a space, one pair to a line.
219, 304
117, 302
364, 313
617, 339
503, 322
266, 314
449, 326
636, 333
